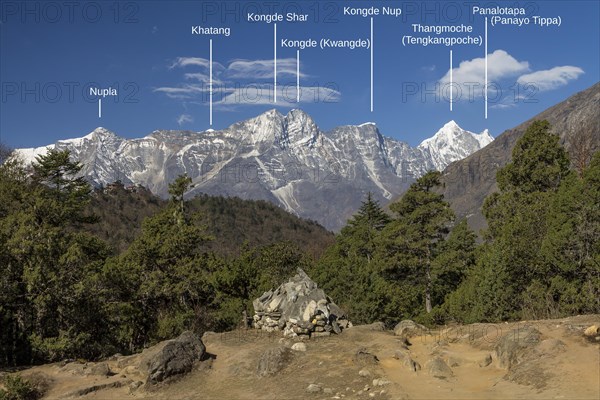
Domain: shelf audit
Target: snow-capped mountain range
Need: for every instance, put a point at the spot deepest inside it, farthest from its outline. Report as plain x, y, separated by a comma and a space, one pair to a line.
285, 159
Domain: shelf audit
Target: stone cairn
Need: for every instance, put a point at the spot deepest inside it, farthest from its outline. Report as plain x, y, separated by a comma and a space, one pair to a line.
300, 309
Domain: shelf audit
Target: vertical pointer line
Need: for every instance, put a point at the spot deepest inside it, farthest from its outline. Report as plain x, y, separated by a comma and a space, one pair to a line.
485, 88
371, 64
210, 82
275, 62
298, 76
451, 80
99, 108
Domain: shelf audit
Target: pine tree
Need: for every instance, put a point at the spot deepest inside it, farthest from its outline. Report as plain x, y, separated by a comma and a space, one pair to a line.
571, 247
455, 259
517, 219
244, 278
65, 193
52, 265
345, 271
410, 243
14, 349
539, 162
178, 188
360, 232
166, 273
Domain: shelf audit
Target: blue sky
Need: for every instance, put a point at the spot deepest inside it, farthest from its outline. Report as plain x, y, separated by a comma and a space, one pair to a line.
51, 53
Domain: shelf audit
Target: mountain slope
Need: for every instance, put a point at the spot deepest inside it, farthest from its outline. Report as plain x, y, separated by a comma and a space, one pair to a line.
468, 182
231, 221
283, 159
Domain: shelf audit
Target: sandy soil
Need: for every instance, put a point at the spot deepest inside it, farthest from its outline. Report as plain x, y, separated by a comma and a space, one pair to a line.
563, 366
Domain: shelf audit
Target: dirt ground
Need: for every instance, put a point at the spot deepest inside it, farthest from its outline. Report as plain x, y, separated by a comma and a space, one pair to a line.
564, 365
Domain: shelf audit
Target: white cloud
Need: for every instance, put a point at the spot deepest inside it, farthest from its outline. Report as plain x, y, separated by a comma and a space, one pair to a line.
202, 78
243, 82
286, 96
184, 119
181, 92
551, 78
197, 76
501, 65
181, 62
261, 69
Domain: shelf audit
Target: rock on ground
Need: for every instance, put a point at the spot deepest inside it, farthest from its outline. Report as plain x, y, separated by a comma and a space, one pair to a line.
487, 360
407, 361
592, 333
408, 328
100, 369
313, 388
437, 368
514, 347
380, 382
365, 373
377, 326
273, 360
299, 346
363, 357
172, 357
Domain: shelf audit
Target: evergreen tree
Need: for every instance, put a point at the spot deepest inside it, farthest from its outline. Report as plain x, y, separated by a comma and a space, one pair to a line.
511, 269
361, 230
66, 193
345, 271
410, 243
539, 162
166, 273
571, 247
14, 348
51, 269
455, 259
178, 188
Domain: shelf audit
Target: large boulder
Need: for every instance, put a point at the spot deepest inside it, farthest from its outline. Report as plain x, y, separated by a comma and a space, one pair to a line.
437, 368
516, 346
273, 360
408, 328
299, 308
407, 361
172, 357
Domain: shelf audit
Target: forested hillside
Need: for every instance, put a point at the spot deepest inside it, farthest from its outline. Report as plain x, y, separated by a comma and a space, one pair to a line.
66, 293
231, 221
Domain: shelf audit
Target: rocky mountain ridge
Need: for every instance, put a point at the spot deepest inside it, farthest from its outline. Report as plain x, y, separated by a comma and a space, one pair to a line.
284, 159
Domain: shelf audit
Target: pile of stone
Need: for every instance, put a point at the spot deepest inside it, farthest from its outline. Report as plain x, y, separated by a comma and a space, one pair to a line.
300, 309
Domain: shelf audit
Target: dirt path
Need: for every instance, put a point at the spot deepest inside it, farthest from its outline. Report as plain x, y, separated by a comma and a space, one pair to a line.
564, 366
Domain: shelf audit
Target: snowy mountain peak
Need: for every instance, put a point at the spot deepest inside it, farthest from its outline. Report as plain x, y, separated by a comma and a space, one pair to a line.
450, 129
452, 143
272, 114
287, 160
99, 133
296, 115
301, 128
484, 138
451, 125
